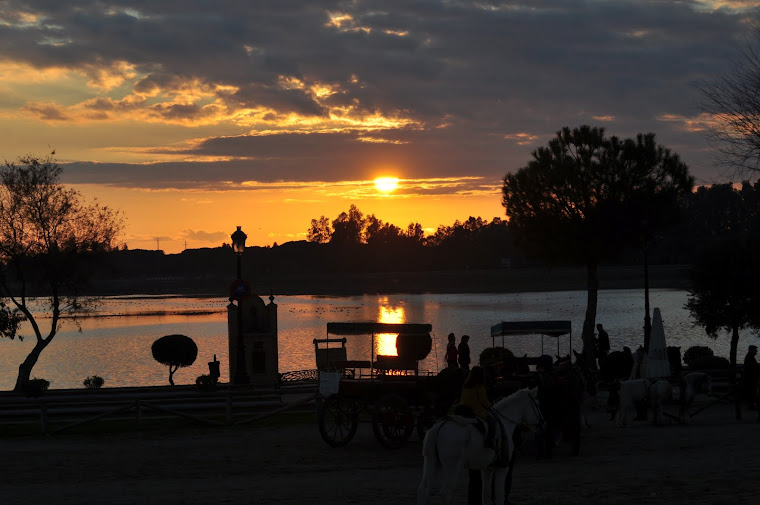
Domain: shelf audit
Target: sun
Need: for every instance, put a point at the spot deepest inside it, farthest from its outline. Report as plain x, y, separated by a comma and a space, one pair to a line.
386, 184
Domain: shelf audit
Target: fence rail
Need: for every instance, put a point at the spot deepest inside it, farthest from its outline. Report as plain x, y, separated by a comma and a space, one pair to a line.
61, 410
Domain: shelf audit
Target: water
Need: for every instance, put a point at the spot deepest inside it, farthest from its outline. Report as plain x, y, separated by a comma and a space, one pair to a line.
116, 344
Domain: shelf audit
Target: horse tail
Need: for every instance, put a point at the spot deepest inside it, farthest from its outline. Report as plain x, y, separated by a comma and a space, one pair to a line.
430, 443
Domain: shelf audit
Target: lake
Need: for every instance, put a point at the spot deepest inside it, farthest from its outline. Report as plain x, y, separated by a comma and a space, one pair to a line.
115, 344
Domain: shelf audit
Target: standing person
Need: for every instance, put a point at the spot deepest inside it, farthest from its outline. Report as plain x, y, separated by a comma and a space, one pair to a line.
451, 352
750, 377
475, 396
602, 343
464, 352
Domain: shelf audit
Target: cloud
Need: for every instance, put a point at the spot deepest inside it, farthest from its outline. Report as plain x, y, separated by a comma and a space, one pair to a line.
204, 236
328, 91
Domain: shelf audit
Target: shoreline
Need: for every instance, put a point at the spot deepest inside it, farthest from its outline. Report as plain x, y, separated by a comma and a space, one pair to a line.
439, 282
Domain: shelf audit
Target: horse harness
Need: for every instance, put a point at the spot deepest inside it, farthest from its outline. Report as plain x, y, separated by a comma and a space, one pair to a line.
536, 410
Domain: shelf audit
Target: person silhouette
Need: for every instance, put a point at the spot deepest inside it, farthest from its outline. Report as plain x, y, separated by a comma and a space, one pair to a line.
464, 352
451, 352
602, 343
750, 376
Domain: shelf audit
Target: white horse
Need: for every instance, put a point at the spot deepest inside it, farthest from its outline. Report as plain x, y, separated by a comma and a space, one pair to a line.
454, 443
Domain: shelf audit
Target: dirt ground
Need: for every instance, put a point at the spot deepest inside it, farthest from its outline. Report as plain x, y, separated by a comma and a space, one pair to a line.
713, 460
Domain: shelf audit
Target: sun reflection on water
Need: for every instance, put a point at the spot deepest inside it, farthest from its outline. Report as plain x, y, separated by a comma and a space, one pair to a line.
386, 342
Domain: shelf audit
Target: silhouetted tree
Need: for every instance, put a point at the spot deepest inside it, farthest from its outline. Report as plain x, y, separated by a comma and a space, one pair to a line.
415, 232
348, 227
10, 320
725, 292
319, 231
732, 102
583, 197
381, 234
48, 236
174, 351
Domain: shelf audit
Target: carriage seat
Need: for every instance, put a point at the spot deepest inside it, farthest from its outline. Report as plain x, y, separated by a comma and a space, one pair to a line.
394, 363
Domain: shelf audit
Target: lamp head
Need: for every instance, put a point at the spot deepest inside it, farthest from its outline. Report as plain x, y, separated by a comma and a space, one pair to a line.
238, 241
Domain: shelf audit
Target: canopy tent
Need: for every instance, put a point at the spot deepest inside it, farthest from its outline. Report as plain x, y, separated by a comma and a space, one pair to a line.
543, 328
408, 330
657, 363
369, 328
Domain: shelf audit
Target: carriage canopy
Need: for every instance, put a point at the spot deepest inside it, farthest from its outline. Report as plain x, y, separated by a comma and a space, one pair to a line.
544, 328
367, 328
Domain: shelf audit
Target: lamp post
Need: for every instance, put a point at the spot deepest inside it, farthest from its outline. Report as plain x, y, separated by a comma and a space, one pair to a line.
647, 319
238, 245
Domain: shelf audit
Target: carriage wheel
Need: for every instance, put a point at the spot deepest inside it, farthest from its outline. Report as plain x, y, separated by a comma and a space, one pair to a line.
338, 420
392, 421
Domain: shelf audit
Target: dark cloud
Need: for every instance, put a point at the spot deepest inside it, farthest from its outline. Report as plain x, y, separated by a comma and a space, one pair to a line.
486, 69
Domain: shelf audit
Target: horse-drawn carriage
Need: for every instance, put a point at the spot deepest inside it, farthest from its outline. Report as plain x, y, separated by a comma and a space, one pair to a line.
388, 390
510, 372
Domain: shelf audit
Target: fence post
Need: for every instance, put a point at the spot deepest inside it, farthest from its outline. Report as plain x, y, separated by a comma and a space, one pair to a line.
738, 394
228, 409
43, 417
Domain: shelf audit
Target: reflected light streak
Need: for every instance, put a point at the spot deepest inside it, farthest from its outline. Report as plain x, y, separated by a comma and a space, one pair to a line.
386, 342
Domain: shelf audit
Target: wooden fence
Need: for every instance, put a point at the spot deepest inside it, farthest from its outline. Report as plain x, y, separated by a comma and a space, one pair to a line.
60, 410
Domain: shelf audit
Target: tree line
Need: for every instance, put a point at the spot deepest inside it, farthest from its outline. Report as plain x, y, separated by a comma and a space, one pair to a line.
580, 201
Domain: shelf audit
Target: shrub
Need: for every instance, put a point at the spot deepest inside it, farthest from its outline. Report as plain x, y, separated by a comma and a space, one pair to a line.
696, 352
206, 382
94, 382
710, 363
35, 387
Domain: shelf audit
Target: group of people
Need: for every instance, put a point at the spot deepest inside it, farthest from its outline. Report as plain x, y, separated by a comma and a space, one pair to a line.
458, 356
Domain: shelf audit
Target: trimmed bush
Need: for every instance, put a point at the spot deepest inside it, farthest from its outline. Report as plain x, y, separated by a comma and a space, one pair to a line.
696, 352
94, 382
174, 351
710, 363
206, 382
35, 387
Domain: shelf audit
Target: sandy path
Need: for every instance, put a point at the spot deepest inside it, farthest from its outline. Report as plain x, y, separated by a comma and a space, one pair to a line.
714, 460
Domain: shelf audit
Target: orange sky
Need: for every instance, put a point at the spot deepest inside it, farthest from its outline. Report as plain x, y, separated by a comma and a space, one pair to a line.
179, 218
197, 117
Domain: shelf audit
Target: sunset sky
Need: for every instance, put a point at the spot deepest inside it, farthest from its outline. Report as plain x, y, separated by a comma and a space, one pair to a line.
194, 117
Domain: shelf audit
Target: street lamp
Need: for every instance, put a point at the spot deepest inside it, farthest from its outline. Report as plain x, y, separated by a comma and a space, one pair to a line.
238, 245
647, 319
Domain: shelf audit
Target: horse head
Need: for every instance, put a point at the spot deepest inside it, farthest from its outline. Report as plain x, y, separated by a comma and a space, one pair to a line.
520, 408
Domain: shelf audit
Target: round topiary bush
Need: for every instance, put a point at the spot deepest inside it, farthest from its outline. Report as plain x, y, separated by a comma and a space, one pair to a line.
696, 352
710, 363
174, 351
